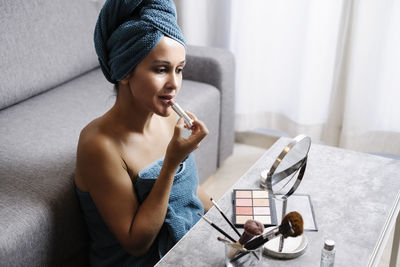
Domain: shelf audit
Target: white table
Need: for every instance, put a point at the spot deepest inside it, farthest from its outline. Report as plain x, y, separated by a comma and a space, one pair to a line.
356, 199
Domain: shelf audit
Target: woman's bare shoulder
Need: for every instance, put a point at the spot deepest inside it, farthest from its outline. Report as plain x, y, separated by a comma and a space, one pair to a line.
94, 139
96, 147
93, 132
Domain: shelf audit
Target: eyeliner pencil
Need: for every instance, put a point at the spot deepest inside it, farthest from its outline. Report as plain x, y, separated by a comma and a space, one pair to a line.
226, 219
216, 227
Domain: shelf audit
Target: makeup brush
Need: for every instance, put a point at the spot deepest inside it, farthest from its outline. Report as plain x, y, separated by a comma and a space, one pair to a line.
251, 228
235, 245
216, 227
226, 219
224, 240
292, 225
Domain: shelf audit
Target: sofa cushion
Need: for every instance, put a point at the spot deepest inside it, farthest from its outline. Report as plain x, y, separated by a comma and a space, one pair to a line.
41, 223
39, 213
43, 45
204, 100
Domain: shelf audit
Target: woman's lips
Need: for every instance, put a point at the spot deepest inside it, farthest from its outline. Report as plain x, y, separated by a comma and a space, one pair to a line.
167, 99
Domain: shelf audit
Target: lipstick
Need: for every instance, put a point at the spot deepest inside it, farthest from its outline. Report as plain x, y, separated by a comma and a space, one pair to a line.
181, 113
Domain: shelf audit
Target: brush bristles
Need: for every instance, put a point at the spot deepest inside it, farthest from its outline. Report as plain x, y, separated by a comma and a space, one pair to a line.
292, 225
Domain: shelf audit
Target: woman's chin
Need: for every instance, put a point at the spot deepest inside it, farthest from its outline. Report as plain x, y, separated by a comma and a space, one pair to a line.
165, 112
164, 109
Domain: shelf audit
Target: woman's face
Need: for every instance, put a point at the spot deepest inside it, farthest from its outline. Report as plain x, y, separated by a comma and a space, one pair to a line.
158, 77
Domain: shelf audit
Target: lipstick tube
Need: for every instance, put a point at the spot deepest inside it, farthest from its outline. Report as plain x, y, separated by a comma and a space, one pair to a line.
182, 114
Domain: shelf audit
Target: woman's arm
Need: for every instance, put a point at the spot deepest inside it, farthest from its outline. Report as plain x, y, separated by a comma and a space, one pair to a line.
112, 191
135, 226
204, 198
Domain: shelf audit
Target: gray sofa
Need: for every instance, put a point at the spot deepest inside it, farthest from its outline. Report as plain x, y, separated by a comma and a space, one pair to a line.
51, 86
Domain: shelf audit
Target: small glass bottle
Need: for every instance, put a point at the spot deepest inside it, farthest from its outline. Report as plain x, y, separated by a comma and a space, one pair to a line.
328, 254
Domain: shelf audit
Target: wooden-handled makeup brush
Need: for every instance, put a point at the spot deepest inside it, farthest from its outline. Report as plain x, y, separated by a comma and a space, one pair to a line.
292, 225
251, 228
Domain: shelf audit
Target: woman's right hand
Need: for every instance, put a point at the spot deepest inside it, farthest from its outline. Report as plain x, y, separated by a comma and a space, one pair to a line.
179, 148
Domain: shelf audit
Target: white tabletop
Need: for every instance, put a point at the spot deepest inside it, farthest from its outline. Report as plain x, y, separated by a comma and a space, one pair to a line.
355, 198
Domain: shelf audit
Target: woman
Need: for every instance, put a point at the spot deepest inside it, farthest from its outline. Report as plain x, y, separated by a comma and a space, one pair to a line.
135, 175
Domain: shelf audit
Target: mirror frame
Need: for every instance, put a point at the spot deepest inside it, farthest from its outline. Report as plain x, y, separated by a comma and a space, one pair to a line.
273, 178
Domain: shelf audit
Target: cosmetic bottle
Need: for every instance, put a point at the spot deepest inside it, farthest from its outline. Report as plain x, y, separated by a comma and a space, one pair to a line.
328, 254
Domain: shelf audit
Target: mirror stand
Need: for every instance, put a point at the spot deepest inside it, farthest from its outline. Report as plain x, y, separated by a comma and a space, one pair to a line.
281, 181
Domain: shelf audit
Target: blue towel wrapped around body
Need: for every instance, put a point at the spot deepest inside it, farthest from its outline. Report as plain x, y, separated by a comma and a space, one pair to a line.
183, 207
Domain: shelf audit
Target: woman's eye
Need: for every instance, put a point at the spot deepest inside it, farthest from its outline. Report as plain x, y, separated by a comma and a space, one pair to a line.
179, 70
161, 70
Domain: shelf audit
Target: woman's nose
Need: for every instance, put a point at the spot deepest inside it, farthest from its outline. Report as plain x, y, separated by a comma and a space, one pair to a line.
173, 80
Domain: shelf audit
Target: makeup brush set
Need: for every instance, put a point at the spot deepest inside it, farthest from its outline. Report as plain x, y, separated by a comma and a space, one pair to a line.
248, 248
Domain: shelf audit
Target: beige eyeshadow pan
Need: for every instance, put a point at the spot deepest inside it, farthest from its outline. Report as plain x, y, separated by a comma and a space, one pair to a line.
260, 202
263, 219
260, 194
241, 219
243, 194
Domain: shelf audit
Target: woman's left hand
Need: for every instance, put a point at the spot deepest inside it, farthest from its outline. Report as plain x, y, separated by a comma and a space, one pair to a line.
179, 147
199, 129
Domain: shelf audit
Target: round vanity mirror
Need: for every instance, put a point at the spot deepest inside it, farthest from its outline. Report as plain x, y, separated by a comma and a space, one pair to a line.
281, 181
287, 171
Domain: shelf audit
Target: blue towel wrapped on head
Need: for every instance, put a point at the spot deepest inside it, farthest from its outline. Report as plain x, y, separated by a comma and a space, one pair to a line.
127, 30
183, 206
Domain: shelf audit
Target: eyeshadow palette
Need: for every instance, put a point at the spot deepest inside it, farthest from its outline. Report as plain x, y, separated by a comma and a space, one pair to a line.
253, 204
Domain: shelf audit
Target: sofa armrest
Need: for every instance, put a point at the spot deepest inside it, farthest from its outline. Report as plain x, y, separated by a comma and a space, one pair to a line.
216, 66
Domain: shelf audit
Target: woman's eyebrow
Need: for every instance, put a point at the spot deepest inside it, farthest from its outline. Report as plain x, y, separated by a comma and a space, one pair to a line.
158, 61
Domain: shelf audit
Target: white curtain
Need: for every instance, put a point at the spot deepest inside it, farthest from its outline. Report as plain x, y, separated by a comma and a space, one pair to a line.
328, 69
